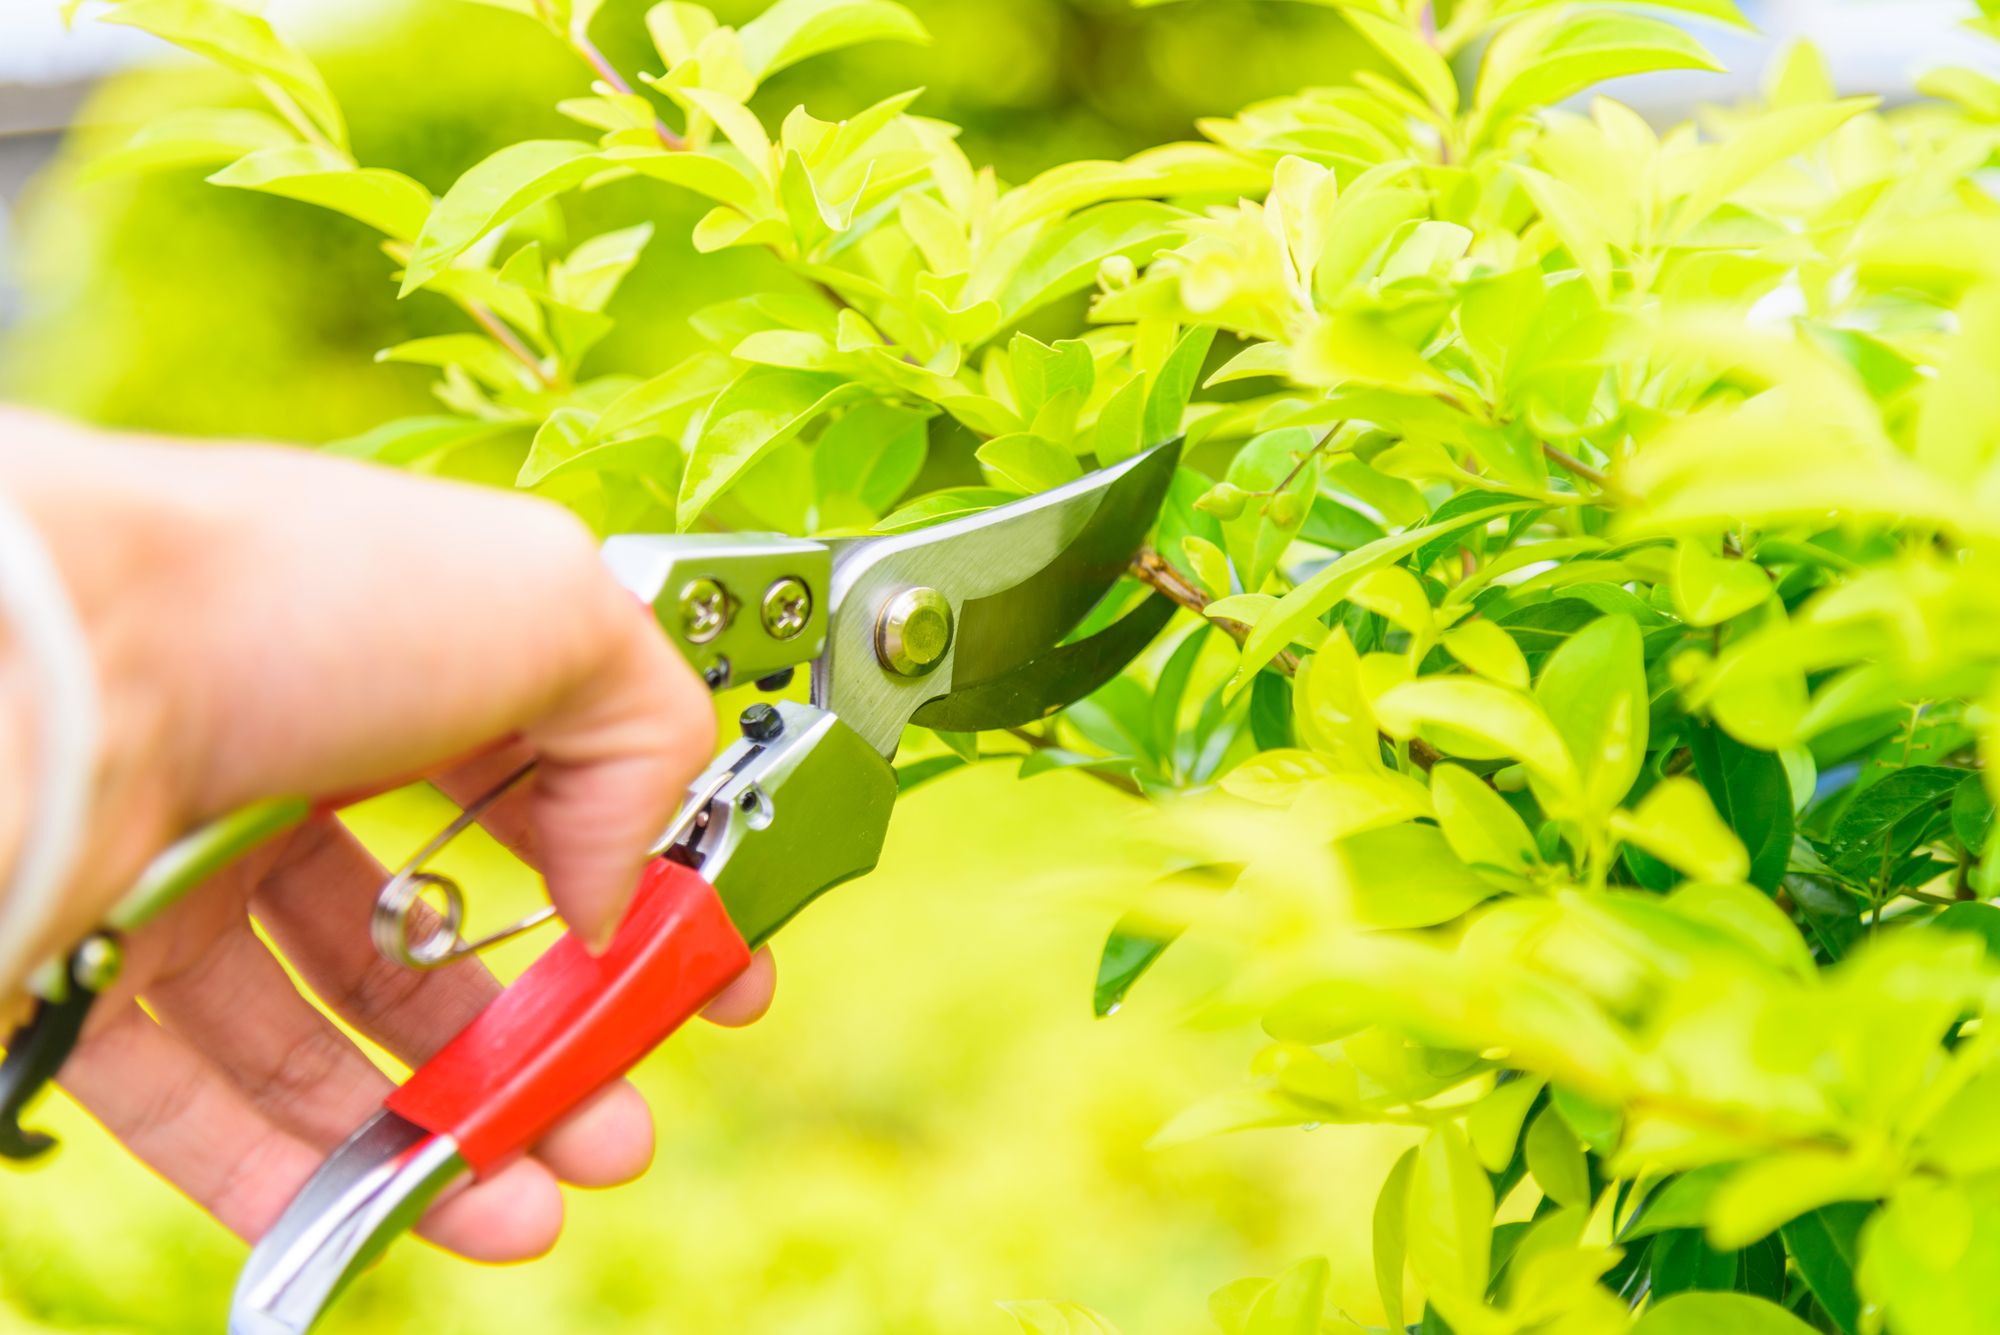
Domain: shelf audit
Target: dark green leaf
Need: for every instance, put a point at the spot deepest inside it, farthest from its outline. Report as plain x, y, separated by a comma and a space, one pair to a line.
1175, 385
1271, 711
1826, 1246
1889, 819
1127, 955
1972, 813
923, 771
1753, 794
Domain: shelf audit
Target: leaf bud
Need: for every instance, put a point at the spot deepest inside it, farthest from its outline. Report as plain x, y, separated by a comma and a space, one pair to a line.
1286, 510
1224, 500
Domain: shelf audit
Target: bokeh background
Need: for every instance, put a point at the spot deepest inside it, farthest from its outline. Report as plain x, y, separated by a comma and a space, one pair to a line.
930, 1121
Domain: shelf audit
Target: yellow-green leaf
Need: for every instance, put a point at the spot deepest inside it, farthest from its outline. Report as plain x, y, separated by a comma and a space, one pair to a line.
388, 201
1677, 823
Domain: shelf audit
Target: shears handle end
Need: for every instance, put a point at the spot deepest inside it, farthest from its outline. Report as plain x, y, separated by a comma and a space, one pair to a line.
567, 1027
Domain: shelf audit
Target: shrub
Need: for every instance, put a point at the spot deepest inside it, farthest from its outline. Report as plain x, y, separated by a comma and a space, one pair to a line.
1577, 758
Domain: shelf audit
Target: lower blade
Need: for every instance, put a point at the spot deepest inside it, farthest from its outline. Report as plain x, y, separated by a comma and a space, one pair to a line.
1060, 677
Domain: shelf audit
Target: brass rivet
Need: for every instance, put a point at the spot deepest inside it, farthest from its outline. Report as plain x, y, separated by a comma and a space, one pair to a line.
913, 632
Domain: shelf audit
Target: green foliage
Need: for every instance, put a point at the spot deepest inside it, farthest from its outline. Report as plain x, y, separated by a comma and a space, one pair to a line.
1582, 759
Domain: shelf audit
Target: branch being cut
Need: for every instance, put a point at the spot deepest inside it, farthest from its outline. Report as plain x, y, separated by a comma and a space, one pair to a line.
1154, 571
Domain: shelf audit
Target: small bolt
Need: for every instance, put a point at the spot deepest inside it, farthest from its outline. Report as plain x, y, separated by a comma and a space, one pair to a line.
716, 674
96, 963
762, 723
787, 608
913, 632
705, 610
777, 681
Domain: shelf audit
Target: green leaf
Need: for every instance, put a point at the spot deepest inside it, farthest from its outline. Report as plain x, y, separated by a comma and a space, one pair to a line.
590, 275
1027, 463
1391, 1235
1042, 373
1450, 1217
1556, 1160
1972, 814
649, 405
1719, 1314
872, 453
1594, 690
1128, 953
1120, 430
1495, 1122
1826, 1247
765, 408
1257, 538
193, 137
495, 192
795, 30
413, 441
1709, 590
1753, 795
1477, 822
1677, 823
1479, 721
1047, 1318
1306, 603
1757, 147
1487, 649
242, 42
1887, 819
939, 506
1409, 52
1576, 224
1066, 257
1174, 386
1546, 58
1294, 1303
1681, 1203
388, 201
1407, 876
484, 359
1355, 348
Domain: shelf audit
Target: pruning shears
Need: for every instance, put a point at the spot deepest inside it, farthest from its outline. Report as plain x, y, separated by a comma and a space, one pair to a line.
980, 623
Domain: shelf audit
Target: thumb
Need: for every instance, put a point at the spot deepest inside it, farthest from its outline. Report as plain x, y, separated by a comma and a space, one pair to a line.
616, 759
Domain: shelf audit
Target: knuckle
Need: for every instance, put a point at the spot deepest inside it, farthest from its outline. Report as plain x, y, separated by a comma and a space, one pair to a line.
304, 1074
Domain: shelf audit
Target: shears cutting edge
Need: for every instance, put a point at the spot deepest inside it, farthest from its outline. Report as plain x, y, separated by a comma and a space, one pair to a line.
980, 623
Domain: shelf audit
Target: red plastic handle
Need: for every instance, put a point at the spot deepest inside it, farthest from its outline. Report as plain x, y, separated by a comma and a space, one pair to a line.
572, 1024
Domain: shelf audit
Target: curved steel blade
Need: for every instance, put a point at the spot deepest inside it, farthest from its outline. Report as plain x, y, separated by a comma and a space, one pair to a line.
1018, 578
1060, 677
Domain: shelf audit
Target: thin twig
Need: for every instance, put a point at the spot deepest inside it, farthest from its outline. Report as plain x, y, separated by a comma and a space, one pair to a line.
620, 84
1036, 742
1569, 463
507, 339
1154, 571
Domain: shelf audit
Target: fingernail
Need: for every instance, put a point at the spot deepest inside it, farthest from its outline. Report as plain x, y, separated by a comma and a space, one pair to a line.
599, 941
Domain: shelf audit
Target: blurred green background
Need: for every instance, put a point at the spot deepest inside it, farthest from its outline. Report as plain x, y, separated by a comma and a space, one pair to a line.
930, 1120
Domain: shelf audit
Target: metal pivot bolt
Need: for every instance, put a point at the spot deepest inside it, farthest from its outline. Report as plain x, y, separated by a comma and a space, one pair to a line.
787, 608
705, 610
913, 632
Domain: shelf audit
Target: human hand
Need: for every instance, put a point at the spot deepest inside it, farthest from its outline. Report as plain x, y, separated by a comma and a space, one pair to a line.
270, 622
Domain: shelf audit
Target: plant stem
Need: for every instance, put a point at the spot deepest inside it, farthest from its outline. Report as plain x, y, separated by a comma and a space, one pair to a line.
1152, 570
1569, 463
620, 84
1036, 742
506, 338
